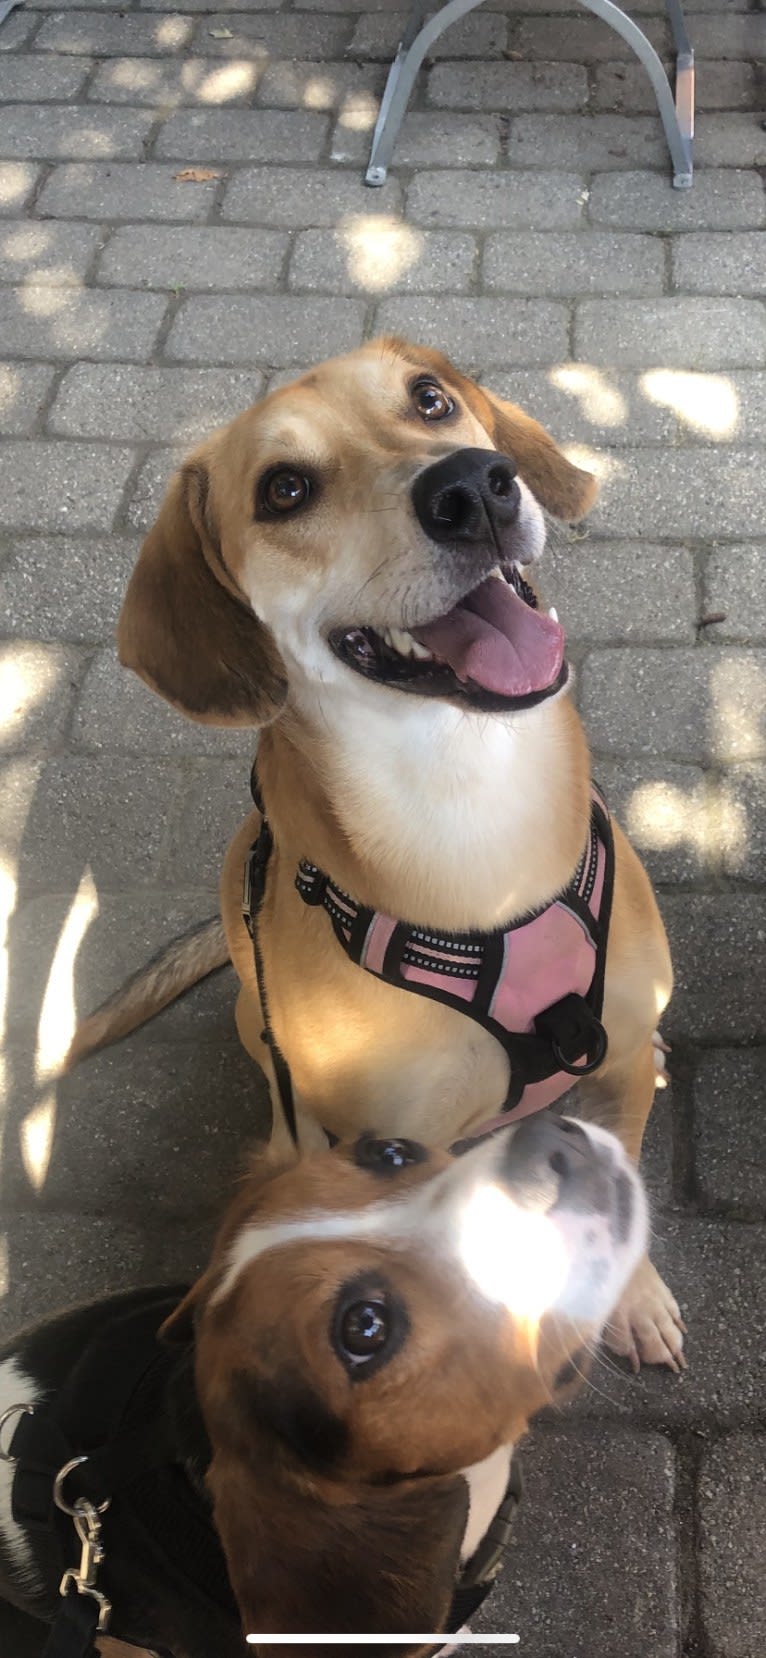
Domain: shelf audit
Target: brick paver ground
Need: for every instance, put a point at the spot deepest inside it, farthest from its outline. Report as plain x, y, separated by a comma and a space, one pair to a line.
529, 225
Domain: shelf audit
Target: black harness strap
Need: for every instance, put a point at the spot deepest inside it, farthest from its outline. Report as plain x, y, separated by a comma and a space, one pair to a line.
253, 895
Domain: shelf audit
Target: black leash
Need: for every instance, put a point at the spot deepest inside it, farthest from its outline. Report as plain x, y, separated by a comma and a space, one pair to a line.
253, 894
73, 1634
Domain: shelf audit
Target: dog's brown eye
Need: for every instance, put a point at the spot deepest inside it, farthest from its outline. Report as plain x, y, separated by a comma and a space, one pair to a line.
284, 490
430, 401
364, 1329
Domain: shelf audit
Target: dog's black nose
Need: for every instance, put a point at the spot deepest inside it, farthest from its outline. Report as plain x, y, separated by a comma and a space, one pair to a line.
467, 496
552, 1159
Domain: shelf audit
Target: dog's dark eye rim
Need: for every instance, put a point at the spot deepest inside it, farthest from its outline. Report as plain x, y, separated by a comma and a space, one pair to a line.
306, 490
389, 1155
369, 1326
427, 383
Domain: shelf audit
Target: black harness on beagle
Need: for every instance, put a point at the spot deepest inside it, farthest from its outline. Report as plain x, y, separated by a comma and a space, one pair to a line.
109, 1491
537, 984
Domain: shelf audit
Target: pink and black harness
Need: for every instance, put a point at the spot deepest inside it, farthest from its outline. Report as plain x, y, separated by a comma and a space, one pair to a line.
537, 984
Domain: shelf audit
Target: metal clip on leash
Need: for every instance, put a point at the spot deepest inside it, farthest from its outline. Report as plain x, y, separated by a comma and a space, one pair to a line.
85, 1611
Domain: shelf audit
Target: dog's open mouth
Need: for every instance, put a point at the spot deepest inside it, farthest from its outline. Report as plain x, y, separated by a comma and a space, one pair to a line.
494, 649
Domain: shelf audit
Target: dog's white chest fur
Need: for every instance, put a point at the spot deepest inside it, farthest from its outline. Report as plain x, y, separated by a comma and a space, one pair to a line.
16, 1388
487, 1483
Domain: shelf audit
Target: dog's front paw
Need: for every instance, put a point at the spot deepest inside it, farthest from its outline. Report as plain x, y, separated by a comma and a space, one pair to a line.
646, 1326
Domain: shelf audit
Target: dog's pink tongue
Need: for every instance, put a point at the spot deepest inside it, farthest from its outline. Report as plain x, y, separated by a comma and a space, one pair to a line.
494, 639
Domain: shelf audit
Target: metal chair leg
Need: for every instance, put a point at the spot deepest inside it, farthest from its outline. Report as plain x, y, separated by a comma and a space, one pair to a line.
677, 115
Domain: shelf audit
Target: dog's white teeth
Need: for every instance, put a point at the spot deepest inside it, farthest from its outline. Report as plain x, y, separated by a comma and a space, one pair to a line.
553, 613
402, 642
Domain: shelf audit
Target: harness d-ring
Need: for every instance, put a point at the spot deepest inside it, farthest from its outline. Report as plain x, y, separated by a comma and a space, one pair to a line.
590, 1064
13, 1410
58, 1490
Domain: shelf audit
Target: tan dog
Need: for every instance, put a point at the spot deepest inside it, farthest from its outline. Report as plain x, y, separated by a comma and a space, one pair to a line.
316, 570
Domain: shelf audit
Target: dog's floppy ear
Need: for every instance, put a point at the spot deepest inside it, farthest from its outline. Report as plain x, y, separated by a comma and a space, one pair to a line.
359, 1560
185, 629
563, 489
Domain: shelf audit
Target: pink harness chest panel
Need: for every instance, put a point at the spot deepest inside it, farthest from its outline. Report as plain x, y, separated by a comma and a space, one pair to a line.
536, 984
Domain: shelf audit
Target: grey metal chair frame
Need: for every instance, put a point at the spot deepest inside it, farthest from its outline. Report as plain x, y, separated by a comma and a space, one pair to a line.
677, 114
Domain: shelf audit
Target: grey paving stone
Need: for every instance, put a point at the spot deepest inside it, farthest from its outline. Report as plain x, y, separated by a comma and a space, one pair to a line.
481, 330
621, 590
676, 332
61, 486
714, 408
52, 131
117, 713
669, 812
426, 139
24, 388
584, 404
150, 486
269, 36
170, 405
732, 1497
164, 82
719, 84
525, 200
720, 263
686, 704
216, 800
581, 1490
717, 942
724, 199
351, 87
64, 588
17, 30
573, 263
39, 686
734, 583
104, 35
508, 86
70, 1255
243, 135
79, 322
730, 1131
582, 39
104, 191
679, 494
192, 256
25, 76
713, 1269
596, 140
268, 331
188, 1107
129, 928
303, 198
204, 6
742, 821
728, 35
106, 813
17, 181
481, 35
42, 253
382, 256
731, 140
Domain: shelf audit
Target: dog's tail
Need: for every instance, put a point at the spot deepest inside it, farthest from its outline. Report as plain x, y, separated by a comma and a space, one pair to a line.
169, 974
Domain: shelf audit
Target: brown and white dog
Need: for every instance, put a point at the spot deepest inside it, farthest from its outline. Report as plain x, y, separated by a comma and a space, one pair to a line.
329, 568
376, 1327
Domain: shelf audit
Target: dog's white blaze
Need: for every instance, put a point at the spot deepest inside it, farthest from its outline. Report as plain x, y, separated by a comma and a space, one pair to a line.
395, 1222
515, 1256
486, 1482
16, 1388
